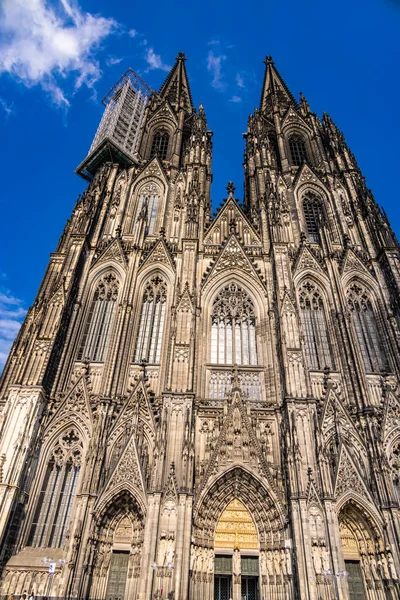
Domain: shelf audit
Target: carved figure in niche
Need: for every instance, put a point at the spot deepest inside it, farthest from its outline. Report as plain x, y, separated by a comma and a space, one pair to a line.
236, 568
325, 558
170, 550
317, 562
283, 562
193, 557
373, 566
237, 446
270, 564
211, 561
384, 567
277, 564
162, 549
288, 561
392, 568
263, 563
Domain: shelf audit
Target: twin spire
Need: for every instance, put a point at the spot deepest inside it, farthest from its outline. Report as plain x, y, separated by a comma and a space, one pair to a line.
177, 90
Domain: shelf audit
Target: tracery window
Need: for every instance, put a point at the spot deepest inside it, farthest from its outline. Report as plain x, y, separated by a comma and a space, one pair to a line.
52, 512
366, 329
98, 324
159, 145
315, 328
297, 150
233, 328
148, 205
313, 216
151, 325
394, 462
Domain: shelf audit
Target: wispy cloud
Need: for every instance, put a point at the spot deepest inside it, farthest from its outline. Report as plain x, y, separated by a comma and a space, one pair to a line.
235, 99
240, 81
154, 60
213, 42
214, 66
11, 316
44, 44
132, 33
8, 108
113, 60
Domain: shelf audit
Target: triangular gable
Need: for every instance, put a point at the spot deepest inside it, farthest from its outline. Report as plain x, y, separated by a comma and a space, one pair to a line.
232, 206
164, 112
312, 494
237, 443
185, 302
75, 406
348, 478
288, 306
232, 257
153, 168
292, 116
307, 260
333, 412
113, 251
171, 487
306, 175
159, 254
351, 262
127, 470
137, 406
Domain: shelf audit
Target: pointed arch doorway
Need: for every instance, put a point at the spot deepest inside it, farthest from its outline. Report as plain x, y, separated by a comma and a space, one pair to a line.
236, 547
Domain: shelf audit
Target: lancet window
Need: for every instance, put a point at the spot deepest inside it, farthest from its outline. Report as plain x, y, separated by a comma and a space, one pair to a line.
147, 208
366, 329
151, 325
297, 150
52, 512
315, 328
233, 328
98, 324
313, 216
159, 145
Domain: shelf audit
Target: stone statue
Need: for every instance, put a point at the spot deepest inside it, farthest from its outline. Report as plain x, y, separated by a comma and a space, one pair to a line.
236, 563
210, 561
317, 560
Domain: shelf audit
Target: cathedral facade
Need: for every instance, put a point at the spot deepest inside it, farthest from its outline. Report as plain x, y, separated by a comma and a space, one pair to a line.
208, 407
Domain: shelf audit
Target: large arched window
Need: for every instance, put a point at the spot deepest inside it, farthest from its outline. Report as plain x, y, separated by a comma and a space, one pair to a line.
50, 520
233, 328
366, 329
159, 146
313, 216
315, 328
149, 339
298, 151
98, 324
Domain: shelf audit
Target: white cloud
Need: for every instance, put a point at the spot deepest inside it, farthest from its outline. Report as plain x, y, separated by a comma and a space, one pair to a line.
113, 60
11, 316
42, 43
213, 43
214, 63
132, 33
154, 60
8, 108
235, 99
240, 81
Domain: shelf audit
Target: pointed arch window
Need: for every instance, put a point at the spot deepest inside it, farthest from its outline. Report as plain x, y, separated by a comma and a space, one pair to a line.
233, 328
366, 329
159, 146
151, 325
298, 150
313, 319
313, 216
147, 209
52, 512
98, 325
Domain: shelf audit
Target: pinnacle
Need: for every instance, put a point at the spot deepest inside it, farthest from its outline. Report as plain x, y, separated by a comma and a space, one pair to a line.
230, 189
268, 60
181, 56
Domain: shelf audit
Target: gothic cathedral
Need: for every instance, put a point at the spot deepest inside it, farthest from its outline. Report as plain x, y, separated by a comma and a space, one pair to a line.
206, 407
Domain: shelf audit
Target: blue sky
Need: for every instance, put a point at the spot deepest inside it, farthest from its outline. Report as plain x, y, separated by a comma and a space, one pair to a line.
58, 58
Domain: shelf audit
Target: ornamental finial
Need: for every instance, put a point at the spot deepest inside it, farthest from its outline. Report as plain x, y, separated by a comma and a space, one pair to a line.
230, 188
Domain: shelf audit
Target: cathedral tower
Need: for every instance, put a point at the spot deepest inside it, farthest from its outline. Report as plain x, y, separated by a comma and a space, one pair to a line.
203, 407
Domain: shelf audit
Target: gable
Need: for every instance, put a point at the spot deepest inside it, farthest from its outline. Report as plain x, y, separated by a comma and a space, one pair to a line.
232, 216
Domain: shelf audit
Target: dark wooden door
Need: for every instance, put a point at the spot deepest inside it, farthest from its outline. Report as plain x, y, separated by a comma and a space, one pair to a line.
355, 580
117, 576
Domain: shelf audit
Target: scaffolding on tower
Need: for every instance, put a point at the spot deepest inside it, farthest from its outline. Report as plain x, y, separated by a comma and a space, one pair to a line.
118, 134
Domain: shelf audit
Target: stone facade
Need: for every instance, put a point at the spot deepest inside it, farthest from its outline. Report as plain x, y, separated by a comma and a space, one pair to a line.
208, 407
